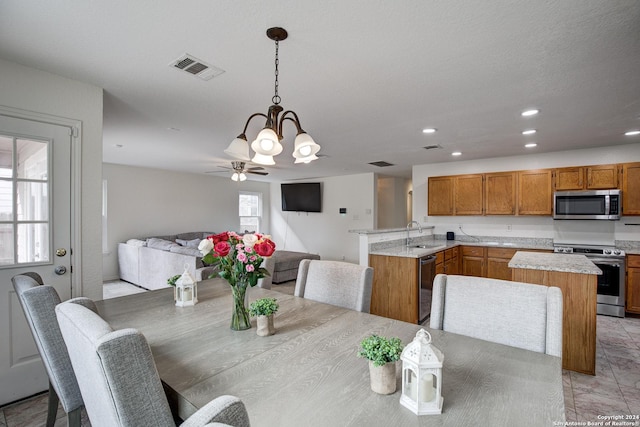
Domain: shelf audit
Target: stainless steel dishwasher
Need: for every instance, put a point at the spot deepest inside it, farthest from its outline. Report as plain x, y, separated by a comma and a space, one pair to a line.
427, 272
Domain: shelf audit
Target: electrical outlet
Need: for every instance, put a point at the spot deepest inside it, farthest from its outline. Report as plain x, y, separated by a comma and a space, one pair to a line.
460, 226
508, 227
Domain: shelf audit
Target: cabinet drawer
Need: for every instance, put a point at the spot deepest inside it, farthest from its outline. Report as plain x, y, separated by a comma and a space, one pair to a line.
501, 253
448, 254
633, 260
439, 257
472, 251
455, 252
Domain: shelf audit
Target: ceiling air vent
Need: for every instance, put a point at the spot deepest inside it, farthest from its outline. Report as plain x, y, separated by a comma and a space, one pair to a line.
433, 147
381, 164
196, 67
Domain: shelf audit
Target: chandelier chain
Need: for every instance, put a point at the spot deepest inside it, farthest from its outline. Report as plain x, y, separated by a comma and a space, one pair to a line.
276, 98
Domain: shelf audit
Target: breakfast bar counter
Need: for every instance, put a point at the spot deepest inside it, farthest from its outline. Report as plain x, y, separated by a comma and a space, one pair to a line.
576, 276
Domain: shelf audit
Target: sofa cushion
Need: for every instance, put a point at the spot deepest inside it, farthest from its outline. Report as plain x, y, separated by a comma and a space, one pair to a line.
136, 242
163, 245
184, 250
287, 260
189, 243
193, 235
170, 237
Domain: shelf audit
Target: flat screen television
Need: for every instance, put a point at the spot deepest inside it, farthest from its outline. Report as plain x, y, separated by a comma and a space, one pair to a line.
301, 197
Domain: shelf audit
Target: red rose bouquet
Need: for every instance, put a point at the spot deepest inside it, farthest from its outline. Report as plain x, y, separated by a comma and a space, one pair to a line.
239, 259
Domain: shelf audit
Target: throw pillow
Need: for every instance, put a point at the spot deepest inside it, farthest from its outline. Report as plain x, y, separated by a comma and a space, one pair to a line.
163, 245
136, 242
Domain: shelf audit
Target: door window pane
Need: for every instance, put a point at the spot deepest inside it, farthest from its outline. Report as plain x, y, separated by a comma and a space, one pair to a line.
32, 159
33, 202
6, 200
33, 242
6, 156
6, 244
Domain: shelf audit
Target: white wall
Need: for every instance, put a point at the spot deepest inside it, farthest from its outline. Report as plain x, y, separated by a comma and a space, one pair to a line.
40, 92
522, 226
327, 233
145, 202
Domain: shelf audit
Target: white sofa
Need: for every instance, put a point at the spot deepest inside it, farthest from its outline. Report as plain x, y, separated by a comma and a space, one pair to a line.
149, 262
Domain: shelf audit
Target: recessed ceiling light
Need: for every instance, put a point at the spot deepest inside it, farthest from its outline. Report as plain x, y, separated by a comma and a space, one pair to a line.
429, 130
632, 133
531, 145
528, 113
119, 145
529, 132
457, 153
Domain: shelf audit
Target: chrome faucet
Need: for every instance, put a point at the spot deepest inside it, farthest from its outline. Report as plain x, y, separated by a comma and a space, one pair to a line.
409, 228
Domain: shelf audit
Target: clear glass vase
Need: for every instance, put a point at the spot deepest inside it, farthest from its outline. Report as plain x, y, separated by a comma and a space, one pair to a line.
239, 316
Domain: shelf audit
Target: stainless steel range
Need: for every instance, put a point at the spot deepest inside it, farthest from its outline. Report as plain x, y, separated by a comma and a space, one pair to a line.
612, 281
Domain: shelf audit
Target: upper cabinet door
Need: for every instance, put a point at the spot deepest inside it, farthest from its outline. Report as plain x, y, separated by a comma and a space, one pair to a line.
500, 193
569, 179
631, 189
602, 177
440, 195
534, 192
469, 194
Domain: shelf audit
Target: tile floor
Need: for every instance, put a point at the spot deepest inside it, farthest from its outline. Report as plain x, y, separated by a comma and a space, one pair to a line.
615, 390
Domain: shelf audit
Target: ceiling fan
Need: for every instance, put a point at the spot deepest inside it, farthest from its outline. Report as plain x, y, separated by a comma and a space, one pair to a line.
239, 170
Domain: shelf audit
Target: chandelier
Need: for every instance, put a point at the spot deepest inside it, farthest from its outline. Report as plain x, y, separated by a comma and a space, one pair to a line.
267, 143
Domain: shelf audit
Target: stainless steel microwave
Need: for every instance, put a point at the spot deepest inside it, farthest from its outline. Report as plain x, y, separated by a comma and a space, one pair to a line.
589, 204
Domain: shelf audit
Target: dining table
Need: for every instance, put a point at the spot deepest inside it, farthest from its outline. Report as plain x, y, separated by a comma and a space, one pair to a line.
308, 373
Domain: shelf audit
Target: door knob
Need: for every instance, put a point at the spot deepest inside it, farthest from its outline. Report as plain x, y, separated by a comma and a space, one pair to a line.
60, 270
61, 252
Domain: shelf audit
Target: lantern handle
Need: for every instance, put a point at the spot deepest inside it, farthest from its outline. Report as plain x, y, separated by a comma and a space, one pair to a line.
423, 336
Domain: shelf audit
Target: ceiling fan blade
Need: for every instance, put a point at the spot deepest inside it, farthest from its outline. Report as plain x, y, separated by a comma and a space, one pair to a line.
255, 168
256, 172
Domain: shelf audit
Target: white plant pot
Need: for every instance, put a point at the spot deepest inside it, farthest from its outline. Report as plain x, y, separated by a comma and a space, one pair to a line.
383, 378
265, 326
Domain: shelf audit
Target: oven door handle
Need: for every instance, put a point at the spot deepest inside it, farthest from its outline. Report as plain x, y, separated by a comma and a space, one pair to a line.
604, 261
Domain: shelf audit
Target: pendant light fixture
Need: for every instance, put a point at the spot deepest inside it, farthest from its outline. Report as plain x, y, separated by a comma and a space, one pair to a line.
267, 143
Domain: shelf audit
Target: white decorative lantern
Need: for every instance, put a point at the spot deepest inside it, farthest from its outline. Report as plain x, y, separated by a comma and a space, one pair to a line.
186, 291
422, 376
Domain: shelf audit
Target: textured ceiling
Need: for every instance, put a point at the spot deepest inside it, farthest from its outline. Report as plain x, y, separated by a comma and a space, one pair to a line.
365, 77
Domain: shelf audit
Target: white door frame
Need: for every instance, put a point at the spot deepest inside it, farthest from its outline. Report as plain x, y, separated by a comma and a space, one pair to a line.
75, 130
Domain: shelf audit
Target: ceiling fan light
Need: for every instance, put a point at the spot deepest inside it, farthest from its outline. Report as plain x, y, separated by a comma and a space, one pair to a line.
267, 143
238, 149
242, 176
262, 159
235, 176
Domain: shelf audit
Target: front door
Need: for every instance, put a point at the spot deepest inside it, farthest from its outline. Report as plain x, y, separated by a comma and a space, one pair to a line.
35, 235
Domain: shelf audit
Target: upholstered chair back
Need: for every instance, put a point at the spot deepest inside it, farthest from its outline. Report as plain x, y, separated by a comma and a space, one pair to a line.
517, 314
38, 302
335, 282
119, 380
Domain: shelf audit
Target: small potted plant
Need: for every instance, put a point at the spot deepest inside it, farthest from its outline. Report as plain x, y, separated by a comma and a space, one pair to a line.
171, 281
264, 309
382, 354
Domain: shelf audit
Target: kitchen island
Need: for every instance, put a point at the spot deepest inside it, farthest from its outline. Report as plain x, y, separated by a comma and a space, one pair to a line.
577, 277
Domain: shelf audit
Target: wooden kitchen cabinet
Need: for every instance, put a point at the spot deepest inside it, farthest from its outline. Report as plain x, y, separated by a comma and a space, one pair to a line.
447, 261
633, 284
474, 261
468, 194
500, 193
440, 195
569, 179
498, 263
597, 177
395, 287
534, 192
630, 188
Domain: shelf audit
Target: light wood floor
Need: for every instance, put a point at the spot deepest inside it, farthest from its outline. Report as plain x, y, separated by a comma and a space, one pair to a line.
615, 390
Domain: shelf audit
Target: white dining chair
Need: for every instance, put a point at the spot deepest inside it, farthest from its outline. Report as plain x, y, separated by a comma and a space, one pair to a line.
512, 313
335, 282
119, 381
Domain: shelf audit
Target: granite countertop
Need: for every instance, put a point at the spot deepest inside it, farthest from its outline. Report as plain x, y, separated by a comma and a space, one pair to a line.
437, 245
390, 230
568, 263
